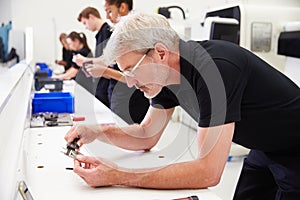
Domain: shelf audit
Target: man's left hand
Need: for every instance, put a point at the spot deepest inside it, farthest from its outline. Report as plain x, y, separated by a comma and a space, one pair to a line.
96, 172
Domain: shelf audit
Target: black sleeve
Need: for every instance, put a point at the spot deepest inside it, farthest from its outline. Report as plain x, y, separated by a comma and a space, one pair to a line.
75, 65
67, 56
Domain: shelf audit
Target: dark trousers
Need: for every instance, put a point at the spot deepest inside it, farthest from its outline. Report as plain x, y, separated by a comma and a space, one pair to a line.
269, 176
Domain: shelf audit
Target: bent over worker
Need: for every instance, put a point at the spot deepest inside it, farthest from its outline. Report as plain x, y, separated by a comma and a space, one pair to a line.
230, 92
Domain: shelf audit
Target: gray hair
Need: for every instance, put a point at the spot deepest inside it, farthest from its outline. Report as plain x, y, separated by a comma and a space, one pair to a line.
139, 32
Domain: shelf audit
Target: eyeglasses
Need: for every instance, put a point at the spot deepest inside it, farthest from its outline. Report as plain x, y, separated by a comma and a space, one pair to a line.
130, 73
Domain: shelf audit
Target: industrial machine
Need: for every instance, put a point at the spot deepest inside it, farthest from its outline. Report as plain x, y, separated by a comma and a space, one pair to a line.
254, 25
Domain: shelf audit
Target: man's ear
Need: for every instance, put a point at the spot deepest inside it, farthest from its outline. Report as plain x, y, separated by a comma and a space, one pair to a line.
90, 16
162, 51
123, 9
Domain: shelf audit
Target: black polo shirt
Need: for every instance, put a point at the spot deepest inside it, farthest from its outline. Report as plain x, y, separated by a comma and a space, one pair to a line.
102, 87
102, 38
84, 52
67, 56
222, 83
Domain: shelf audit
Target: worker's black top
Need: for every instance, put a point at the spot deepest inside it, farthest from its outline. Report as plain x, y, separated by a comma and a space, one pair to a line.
222, 83
101, 39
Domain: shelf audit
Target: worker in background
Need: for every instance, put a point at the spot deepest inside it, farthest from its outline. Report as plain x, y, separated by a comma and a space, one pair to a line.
117, 9
128, 103
78, 44
4, 35
91, 19
234, 96
67, 54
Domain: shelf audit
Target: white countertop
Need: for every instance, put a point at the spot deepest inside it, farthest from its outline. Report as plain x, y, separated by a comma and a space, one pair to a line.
9, 77
47, 176
54, 181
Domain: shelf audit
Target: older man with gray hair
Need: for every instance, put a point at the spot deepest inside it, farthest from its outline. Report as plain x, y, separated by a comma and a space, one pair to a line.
230, 92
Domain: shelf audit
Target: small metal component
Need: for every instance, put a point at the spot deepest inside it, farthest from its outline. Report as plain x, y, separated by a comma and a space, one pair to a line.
73, 145
72, 149
37, 121
50, 119
84, 65
71, 153
52, 123
50, 116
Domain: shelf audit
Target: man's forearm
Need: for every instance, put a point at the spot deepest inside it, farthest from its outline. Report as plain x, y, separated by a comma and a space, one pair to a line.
114, 74
97, 60
187, 175
132, 137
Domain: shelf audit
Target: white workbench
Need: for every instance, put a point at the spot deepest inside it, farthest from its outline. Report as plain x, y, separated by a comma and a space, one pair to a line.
15, 89
47, 177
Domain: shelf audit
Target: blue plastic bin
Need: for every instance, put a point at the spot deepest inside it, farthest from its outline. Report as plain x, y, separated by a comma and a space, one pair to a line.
42, 65
59, 102
49, 71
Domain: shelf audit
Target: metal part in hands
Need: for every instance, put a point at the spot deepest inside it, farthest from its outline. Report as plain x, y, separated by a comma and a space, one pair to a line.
71, 153
73, 145
71, 149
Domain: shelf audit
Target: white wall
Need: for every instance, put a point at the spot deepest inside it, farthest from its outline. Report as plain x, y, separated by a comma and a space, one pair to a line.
50, 18
5, 11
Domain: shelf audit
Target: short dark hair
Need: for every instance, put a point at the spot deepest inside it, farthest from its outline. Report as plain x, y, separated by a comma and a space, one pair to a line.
79, 36
87, 11
119, 2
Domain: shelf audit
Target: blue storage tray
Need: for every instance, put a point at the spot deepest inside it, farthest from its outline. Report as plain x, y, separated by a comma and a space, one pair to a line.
60, 102
49, 71
42, 65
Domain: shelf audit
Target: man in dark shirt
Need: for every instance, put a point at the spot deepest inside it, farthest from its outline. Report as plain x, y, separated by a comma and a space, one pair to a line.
128, 103
91, 19
234, 96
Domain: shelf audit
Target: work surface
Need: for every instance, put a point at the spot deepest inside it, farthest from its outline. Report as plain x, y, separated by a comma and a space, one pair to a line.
47, 176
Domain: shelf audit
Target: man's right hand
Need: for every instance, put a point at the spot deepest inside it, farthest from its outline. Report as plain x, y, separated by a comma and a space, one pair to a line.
86, 134
79, 59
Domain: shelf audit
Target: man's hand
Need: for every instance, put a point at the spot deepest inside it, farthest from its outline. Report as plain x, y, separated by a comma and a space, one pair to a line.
96, 172
87, 134
96, 70
79, 59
